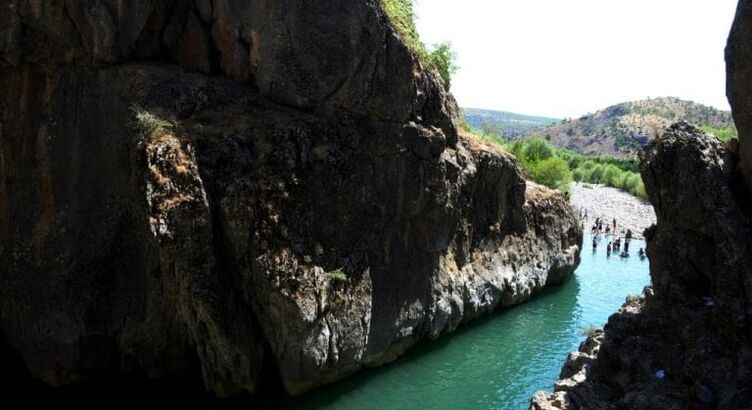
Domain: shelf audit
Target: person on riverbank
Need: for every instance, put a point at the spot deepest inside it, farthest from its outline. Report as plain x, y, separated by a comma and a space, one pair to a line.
614, 224
608, 249
595, 243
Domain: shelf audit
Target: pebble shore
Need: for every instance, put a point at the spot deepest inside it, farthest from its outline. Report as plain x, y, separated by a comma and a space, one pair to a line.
608, 203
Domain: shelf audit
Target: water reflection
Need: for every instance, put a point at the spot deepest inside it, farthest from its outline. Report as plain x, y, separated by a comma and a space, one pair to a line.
500, 361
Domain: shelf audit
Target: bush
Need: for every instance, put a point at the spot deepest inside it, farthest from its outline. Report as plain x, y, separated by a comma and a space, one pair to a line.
552, 172
517, 148
338, 275
596, 174
629, 181
589, 164
640, 190
558, 167
538, 149
148, 124
724, 134
578, 175
611, 175
402, 17
442, 58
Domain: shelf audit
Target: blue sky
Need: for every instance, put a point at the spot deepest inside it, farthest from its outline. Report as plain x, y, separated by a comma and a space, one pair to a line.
564, 58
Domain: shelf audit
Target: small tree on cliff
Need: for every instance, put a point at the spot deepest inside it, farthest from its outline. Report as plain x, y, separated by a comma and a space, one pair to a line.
442, 58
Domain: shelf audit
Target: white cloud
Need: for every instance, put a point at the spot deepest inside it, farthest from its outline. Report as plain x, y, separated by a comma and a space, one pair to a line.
564, 58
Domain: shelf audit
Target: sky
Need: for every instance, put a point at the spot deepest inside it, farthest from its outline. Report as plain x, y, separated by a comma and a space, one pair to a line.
565, 58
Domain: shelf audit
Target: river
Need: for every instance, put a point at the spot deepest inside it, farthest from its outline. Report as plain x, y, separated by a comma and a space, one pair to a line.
497, 362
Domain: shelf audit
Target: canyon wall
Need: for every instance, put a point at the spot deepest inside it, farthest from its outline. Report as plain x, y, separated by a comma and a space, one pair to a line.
686, 344
244, 188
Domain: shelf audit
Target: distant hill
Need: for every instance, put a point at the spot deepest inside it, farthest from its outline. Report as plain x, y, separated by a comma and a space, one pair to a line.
508, 124
620, 130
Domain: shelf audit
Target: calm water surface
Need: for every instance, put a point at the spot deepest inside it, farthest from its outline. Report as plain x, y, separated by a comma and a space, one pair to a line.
500, 361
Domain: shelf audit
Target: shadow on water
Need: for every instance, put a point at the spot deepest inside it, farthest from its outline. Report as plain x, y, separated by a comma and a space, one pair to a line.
432, 373
499, 361
495, 362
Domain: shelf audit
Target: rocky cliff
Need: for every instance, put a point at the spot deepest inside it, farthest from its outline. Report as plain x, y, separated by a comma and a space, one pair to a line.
245, 188
687, 343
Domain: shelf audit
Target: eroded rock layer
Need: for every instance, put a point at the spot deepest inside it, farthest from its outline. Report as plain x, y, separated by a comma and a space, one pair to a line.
243, 183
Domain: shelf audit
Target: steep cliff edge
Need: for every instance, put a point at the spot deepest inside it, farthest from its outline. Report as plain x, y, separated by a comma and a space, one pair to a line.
243, 185
687, 344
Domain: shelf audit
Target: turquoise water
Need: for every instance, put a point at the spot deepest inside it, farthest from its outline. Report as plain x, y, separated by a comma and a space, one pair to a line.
497, 362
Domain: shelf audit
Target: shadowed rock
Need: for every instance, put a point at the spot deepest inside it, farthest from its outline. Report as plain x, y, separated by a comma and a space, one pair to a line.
308, 207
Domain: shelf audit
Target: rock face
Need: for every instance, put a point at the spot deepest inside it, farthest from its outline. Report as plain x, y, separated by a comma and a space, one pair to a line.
686, 343
739, 82
306, 209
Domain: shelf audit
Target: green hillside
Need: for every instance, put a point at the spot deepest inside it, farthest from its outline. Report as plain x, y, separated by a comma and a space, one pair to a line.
620, 130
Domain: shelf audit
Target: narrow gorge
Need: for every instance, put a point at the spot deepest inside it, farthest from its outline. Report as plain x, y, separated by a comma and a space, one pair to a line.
237, 189
686, 343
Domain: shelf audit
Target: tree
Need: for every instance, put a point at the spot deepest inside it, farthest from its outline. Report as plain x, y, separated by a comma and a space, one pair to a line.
596, 174
442, 58
537, 149
611, 175
552, 172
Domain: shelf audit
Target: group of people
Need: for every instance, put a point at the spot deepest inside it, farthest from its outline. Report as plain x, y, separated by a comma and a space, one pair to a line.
609, 230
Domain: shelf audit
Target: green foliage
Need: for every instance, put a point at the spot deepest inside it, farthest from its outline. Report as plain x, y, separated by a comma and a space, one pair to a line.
464, 124
640, 190
629, 182
552, 172
440, 58
338, 275
558, 167
611, 175
489, 138
517, 148
148, 124
537, 149
724, 134
578, 174
596, 174
402, 17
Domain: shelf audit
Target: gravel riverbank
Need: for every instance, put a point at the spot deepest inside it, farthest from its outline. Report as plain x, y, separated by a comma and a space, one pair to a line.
608, 203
